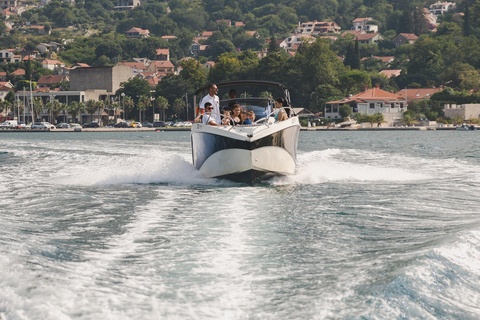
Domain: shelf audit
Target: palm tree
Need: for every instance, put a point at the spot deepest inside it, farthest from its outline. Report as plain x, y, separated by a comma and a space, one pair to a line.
457, 120
178, 106
81, 107
91, 108
127, 103
144, 103
73, 109
100, 105
162, 102
115, 106
38, 107
409, 119
53, 108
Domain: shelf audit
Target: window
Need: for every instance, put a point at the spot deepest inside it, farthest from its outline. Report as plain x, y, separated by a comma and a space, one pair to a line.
335, 108
381, 104
372, 105
328, 109
392, 105
401, 104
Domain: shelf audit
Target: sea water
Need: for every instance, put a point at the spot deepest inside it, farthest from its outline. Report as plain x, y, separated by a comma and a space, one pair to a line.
374, 225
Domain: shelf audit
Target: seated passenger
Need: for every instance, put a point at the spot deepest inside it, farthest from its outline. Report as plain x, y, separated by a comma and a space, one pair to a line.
237, 114
208, 118
251, 115
226, 121
245, 119
280, 113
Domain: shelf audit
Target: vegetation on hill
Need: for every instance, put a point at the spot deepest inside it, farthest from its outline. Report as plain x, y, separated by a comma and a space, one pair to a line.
447, 57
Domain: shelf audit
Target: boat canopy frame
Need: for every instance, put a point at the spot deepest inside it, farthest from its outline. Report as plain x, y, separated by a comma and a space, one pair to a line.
265, 83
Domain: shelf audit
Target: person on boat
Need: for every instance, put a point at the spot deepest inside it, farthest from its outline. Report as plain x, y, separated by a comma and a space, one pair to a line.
280, 113
237, 114
226, 121
208, 117
214, 101
245, 119
232, 95
251, 116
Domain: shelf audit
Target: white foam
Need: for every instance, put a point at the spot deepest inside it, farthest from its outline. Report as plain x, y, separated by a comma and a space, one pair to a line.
334, 165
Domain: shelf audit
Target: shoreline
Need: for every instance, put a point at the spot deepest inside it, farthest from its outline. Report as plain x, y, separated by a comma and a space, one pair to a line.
8, 130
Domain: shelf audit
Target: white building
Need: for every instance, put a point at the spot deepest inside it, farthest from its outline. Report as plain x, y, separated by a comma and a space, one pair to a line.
364, 24
369, 102
439, 8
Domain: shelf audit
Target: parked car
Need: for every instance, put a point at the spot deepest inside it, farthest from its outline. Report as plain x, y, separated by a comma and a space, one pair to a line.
20, 125
121, 125
158, 124
169, 123
131, 124
188, 123
75, 125
49, 125
63, 126
38, 125
92, 125
147, 125
178, 124
9, 124
138, 125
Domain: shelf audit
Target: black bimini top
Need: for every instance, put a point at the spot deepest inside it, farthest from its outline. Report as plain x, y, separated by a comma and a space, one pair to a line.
245, 83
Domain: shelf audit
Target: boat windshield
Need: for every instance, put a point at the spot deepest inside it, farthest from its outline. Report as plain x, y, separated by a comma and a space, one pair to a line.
260, 106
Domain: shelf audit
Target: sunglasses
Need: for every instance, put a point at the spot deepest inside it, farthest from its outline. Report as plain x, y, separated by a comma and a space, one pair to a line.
209, 108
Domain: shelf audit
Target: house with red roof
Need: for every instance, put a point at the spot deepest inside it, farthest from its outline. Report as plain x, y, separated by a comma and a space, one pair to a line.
416, 94
161, 66
228, 22
52, 64
318, 27
364, 37
364, 24
18, 73
392, 73
46, 81
8, 56
294, 40
137, 33
136, 66
169, 37
207, 34
369, 102
404, 38
239, 24
162, 54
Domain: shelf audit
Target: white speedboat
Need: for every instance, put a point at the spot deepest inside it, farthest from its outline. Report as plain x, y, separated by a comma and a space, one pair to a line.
466, 127
348, 123
248, 153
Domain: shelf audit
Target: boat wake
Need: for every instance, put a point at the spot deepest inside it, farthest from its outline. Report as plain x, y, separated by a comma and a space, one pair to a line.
159, 168
444, 283
352, 166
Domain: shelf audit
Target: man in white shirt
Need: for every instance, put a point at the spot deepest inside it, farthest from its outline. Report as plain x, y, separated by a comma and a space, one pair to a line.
214, 100
207, 117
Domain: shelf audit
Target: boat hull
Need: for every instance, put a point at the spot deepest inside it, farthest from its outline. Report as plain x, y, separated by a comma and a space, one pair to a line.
248, 154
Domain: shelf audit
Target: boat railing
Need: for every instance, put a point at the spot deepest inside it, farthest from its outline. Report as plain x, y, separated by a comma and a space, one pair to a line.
268, 116
210, 114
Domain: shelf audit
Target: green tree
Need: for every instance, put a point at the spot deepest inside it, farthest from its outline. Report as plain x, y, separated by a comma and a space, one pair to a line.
192, 73
162, 102
91, 107
38, 107
409, 119
353, 81
178, 107
134, 87
226, 68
